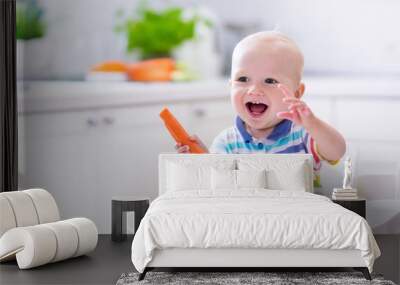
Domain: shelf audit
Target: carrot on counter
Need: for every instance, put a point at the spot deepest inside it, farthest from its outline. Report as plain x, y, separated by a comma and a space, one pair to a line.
110, 66
157, 69
178, 132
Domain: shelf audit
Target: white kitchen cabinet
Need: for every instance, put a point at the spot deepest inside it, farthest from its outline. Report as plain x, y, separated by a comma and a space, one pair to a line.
322, 107
127, 158
85, 157
208, 119
374, 119
59, 150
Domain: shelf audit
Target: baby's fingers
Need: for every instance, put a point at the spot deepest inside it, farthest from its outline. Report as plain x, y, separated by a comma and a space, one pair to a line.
178, 145
288, 100
291, 115
296, 105
183, 149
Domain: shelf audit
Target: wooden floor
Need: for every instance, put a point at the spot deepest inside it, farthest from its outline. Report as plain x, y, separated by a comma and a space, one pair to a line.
111, 259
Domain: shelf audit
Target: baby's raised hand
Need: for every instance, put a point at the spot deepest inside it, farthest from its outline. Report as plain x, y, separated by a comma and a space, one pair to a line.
298, 112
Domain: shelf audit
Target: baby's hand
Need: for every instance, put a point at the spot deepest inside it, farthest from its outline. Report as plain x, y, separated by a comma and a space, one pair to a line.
180, 148
298, 112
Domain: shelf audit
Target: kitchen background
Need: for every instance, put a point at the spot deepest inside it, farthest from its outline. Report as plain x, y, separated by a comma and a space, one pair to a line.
87, 133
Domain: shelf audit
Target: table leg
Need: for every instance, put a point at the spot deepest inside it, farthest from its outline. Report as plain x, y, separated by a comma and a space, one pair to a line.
140, 211
116, 221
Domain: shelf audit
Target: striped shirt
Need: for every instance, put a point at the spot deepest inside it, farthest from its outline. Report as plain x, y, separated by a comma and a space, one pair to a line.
286, 137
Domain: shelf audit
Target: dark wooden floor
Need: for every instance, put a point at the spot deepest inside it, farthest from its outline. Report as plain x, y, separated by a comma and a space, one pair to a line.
111, 259
103, 266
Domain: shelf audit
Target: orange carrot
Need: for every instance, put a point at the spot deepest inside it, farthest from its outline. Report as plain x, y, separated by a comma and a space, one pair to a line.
158, 69
178, 132
110, 66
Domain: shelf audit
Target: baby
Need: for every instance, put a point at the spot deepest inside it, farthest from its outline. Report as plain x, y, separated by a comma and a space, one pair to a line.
266, 91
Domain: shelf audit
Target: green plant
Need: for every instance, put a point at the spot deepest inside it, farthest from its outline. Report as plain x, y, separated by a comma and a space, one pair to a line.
28, 22
156, 34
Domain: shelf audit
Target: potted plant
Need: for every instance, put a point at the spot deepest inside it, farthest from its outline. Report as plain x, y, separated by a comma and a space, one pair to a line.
29, 25
154, 35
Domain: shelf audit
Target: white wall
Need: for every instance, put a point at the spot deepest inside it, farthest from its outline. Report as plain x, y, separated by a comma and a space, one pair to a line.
79, 34
340, 35
356, 36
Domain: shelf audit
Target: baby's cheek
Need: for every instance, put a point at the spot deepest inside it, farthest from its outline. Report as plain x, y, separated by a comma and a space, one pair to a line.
278, 105
236, 100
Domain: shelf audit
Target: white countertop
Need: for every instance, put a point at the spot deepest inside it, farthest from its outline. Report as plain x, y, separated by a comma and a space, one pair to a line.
45, 96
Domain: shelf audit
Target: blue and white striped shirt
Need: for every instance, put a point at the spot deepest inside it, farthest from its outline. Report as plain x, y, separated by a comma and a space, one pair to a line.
286, 137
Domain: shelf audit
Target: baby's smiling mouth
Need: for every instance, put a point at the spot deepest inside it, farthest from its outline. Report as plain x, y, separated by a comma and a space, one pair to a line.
256, 109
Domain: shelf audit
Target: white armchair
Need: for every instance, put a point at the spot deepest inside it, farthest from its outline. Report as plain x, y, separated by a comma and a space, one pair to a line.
31, 230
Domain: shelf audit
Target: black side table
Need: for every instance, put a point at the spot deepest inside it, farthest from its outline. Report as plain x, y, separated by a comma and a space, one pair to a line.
121, 204
358, 206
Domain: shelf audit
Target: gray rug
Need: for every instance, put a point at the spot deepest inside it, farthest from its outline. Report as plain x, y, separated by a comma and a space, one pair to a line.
228, 278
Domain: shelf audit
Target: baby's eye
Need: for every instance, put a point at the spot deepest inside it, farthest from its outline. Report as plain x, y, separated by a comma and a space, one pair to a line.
270, 81
243, 79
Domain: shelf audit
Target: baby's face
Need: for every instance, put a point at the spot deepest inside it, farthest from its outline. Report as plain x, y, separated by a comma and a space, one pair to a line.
255, 73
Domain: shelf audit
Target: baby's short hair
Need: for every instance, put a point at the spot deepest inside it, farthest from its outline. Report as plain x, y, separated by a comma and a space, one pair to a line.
273, 37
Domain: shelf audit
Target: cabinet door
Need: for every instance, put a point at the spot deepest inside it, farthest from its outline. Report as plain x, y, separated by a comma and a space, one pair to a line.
374, 119
60, 153
322, 107
378, 179
131, 140
208, 119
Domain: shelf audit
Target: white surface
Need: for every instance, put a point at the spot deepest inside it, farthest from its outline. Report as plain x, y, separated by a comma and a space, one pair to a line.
40, 244
43, 96
250, 219
221, 178
23, 208
67, 239
182, 177
7, 215
45, 205
87, 233
251, 178
286, 171
44, 238
289, 173
192, 171
237, 179
31, 246
106, 76
251, 257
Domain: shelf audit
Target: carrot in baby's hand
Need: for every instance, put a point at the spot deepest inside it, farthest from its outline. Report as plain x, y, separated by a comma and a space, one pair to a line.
178, 132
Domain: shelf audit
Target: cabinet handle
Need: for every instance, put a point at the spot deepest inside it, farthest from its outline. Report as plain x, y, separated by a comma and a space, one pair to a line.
108, 120
92, 122
199, 113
